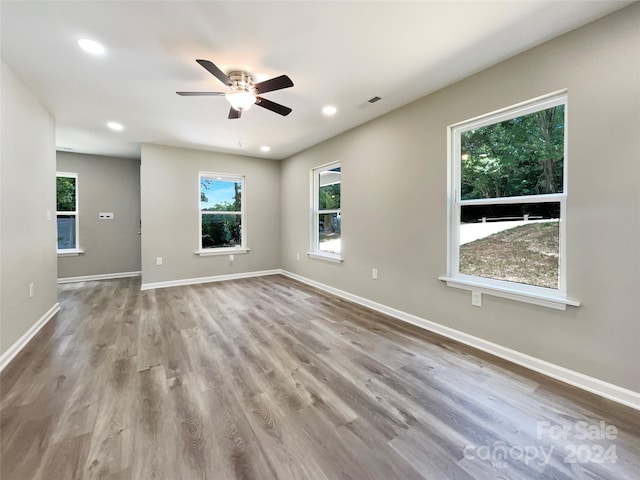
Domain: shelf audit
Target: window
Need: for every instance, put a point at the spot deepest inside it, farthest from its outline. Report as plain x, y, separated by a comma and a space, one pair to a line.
221, 226
67, 212
508, 202
326, 218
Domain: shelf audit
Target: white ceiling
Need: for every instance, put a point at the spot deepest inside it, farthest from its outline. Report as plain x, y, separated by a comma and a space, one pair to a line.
336, 52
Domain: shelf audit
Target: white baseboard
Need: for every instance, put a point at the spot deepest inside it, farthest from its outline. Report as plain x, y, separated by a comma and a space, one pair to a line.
103, 276
607, 390
215, 278
22, 342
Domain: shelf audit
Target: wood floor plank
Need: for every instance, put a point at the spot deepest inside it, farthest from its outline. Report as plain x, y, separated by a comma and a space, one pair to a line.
241, 454
111, 446
156, 432
24, 447
267, 378
279, 441
65, 459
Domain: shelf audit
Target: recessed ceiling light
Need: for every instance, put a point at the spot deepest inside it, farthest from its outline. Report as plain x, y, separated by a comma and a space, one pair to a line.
91, 46
329, 110
115, 126
265, 149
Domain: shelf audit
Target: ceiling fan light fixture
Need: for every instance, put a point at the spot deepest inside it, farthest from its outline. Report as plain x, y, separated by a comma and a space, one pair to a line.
241, 101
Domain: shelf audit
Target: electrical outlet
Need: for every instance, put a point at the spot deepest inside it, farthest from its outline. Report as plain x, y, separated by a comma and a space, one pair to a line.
232, 258
158, 260
374, 273
105, 215
31, 290
476, 299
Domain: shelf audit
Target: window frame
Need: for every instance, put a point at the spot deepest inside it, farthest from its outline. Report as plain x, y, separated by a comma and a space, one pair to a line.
243, 206
549, 297
314, 251
75, 213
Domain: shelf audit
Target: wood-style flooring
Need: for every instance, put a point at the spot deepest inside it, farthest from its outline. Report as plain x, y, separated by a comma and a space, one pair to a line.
267, 378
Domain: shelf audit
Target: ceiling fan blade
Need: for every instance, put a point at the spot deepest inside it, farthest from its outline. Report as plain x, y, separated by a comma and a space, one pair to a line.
273, 106
201, 94
215, 71
233, 113
277, 83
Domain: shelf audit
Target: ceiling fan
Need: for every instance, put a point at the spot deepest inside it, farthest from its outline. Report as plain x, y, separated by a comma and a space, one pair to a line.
244, 91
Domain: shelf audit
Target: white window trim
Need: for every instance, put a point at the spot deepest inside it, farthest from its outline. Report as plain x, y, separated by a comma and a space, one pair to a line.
70, 252
326, 256
547, 297
544, 297
314, 250
211, 252
206, 252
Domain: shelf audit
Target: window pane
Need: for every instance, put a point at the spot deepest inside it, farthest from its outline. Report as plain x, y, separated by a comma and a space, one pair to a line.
517, 243
220, 195
329, 189
329, 232
521, 156
66, 232
221, 230
65, 194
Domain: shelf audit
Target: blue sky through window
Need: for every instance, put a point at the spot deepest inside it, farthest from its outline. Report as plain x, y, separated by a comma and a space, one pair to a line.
217, 191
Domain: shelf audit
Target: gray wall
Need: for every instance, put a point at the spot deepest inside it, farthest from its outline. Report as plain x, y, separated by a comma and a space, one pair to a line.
27, 194
170, 210
394, 204
105, 184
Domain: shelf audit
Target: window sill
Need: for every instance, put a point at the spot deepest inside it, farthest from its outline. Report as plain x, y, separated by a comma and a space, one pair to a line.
327, 257
549, 301
73, 252
221, 251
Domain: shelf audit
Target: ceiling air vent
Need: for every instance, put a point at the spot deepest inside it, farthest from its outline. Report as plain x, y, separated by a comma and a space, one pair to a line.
369, 102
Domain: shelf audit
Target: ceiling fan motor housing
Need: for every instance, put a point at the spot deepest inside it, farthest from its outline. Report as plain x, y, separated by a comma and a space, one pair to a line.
242, 82
243, 93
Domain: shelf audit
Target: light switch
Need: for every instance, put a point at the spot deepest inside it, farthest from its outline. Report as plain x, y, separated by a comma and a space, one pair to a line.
476, 299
